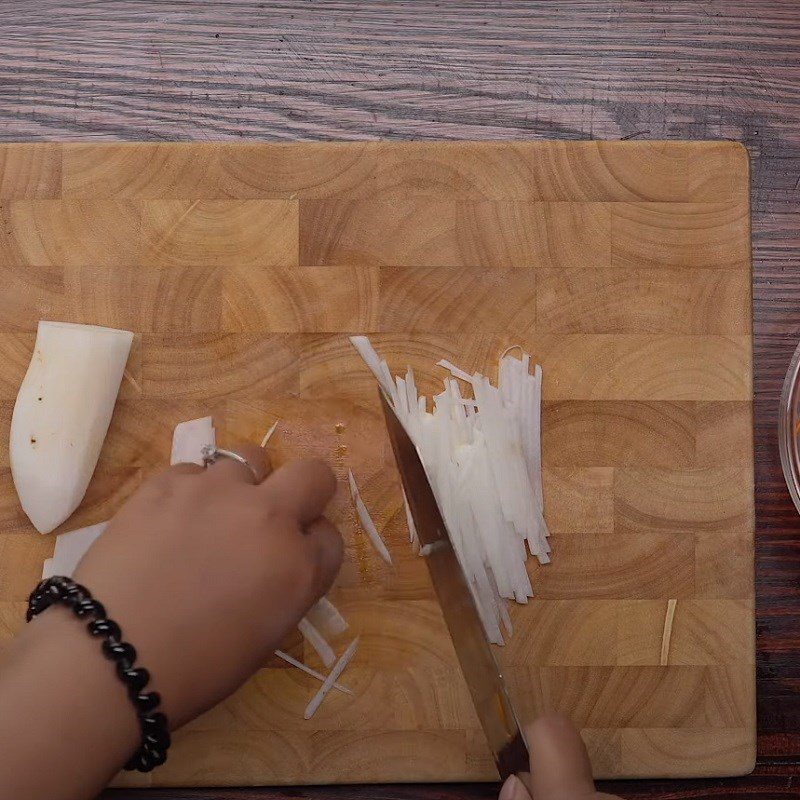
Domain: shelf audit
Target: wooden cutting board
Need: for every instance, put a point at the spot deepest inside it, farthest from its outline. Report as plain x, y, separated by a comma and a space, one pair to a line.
624, 268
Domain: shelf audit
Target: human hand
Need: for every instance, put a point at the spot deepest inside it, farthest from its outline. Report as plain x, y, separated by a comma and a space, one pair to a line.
206, 572
560, 768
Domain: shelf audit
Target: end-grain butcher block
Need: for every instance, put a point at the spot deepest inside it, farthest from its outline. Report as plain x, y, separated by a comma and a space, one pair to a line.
622, 268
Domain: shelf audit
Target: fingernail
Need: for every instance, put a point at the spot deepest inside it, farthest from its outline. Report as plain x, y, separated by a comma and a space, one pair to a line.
509, 788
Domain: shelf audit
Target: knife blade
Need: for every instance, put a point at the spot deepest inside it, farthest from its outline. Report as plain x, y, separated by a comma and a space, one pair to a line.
473, 650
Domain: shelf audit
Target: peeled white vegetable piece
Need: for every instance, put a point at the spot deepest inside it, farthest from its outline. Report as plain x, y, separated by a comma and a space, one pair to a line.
70, 548
61, 416
189, 439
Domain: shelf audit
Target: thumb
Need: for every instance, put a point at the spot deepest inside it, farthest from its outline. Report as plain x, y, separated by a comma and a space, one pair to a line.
560, 767
513, 789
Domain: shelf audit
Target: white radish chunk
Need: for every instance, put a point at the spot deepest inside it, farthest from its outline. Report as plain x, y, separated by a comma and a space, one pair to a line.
338, 669
317, 641
309, 671
62, 414
366, 520
189, 439
69, 550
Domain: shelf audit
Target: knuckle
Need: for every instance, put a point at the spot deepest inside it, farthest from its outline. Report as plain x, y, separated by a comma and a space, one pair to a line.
319, 472
268, 515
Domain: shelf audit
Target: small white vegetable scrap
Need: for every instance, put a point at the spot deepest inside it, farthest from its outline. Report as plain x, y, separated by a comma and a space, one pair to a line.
69, 550
325, 617
309, 671
412, 528
666, 636
62, 414
268, 434
366, 520
317, 641
483, 458
316, 701
189, 438
322, 617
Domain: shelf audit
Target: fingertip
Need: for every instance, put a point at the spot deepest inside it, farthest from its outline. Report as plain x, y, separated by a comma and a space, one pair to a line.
513, 789
328, 552
550, 724
302, 489
323, 474
332, 551
560, 766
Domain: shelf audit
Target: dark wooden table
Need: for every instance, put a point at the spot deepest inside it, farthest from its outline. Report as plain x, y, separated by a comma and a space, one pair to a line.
237, 69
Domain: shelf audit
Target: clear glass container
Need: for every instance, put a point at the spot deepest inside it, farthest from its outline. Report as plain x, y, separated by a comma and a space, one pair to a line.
789, 428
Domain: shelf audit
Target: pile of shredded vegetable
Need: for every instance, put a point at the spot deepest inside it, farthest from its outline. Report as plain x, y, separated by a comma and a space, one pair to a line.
481, 448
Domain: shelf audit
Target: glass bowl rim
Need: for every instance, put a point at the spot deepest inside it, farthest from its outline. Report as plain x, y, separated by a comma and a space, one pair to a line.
787, 439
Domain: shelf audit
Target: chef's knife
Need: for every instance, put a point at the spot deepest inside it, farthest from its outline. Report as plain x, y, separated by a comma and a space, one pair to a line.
480, 668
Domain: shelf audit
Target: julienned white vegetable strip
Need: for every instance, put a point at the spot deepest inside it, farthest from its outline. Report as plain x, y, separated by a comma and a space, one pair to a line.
348, 654
379, 368
309, 671
325, 617
366, 520
666, 636
483, 458
317, 641
61, 416
412, 528
454, 370
268, 434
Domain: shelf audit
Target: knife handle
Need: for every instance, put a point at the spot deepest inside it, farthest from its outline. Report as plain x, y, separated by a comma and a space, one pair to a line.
513, 758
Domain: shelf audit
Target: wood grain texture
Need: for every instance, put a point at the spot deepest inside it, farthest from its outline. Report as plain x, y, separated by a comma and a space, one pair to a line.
376, 69
264, 291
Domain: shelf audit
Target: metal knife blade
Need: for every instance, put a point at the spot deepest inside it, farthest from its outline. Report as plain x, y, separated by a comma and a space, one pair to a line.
478, 664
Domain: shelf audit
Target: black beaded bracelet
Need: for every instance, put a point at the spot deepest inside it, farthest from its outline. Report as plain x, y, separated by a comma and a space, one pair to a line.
152, 751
